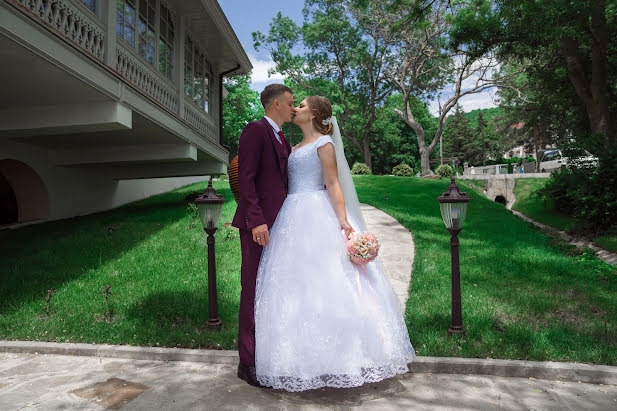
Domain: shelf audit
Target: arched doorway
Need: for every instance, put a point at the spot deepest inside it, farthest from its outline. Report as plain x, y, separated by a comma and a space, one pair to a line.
8, 203
23, 193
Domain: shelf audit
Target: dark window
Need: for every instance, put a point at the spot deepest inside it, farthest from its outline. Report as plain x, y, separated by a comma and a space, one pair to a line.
125, 20
145, 25
196, 75
166, 42
91, 4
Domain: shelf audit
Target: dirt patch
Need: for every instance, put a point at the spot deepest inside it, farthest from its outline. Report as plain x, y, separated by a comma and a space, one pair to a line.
111, 394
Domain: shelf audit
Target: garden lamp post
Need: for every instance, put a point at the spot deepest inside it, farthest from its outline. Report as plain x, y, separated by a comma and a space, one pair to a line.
210, 205
453, 205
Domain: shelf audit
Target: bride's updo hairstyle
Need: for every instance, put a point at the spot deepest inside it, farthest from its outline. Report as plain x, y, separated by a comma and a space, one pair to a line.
322, 110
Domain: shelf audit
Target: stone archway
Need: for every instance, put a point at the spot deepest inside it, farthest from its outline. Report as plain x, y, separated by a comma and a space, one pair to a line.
24, 190
501, 200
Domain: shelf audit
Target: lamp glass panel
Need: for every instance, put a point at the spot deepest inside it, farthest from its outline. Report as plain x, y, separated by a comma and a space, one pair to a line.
453, 214
210, 215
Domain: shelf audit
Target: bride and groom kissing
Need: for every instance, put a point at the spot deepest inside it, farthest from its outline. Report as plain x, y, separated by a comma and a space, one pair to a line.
309, 318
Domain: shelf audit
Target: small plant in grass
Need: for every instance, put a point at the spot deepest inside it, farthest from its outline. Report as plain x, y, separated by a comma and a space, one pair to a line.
193, 212
360, 169
402, 170
109, 311
445, 170
223, 177
48, 297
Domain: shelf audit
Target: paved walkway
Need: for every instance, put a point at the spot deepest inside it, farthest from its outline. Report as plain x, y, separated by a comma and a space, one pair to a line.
113, 377
396, 249
55, 382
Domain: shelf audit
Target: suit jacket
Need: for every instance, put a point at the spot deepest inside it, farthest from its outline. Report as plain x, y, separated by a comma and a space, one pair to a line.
262, 175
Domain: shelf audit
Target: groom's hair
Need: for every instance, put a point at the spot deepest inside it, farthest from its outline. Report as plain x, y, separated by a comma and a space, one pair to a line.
271, 93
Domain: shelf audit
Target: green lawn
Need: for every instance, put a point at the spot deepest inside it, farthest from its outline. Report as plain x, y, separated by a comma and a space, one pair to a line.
523, 297
544, 212
152, 253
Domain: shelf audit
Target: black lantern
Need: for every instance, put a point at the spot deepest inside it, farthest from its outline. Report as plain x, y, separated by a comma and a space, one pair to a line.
210, 205
453, 205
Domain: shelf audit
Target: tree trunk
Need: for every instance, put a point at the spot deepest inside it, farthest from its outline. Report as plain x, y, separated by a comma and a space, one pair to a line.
367, 154
593, 93
425, 164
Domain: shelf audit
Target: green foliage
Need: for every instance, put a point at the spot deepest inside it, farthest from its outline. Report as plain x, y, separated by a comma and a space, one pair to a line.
240, 107
567, 65
445, 170
331, 48
586, 193
402, 170
360, 169
394, 142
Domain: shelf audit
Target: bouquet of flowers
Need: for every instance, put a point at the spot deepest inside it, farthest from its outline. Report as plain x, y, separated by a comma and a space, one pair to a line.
362, 248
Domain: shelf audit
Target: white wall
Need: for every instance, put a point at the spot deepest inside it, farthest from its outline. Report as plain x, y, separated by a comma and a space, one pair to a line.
78, 191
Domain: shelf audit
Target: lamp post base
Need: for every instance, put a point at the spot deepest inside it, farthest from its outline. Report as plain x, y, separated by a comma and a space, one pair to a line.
459, 330
214, 324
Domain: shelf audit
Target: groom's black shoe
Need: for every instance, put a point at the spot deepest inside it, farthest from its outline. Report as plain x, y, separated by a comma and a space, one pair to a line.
247, 373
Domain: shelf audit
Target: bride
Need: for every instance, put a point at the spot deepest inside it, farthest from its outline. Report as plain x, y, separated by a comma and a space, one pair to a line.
321, 321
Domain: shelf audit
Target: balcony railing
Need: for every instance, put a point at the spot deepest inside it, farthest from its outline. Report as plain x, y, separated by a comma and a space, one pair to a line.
145, 78
70, 22
88, 33
200, 120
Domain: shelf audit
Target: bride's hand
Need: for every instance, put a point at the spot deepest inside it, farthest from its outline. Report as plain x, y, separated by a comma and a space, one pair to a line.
347, 228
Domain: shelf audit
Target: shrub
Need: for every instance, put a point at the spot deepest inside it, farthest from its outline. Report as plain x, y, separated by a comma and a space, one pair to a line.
445, 170
223, 177
586, 193
402, 170
360, 169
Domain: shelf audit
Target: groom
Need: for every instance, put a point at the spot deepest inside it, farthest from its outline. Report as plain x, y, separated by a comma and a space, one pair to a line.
262, 174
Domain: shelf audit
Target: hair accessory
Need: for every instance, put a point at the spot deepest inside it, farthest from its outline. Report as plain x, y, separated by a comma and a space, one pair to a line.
327, 121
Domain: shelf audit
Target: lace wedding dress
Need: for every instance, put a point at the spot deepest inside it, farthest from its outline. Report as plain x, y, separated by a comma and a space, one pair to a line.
319, 319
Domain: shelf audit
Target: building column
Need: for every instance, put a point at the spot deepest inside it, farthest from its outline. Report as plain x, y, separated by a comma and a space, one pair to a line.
179, 63
108, 12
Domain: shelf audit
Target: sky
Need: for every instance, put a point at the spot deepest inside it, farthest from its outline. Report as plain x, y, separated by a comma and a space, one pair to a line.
247, 16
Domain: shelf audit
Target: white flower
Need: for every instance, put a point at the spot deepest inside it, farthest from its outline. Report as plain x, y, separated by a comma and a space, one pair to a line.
327, 121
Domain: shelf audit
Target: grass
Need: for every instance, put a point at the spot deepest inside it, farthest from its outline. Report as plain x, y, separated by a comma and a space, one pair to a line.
525, 296
153, 255
545, 212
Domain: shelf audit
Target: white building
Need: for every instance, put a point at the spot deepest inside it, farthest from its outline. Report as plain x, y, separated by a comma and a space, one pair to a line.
102, 101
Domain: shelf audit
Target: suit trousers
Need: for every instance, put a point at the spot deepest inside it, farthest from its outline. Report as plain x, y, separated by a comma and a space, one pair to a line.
251, 254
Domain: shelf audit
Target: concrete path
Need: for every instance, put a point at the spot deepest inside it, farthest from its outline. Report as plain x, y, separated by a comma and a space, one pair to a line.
55, 382
396, 249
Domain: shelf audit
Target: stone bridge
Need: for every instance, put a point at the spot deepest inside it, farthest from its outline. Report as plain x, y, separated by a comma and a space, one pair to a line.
500, 187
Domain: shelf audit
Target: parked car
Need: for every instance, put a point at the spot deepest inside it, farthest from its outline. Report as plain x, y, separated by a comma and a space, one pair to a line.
554, 159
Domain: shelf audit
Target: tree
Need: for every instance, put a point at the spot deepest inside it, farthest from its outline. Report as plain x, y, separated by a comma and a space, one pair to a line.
421, 63
331, 47
581, 33
394, 142
240, 107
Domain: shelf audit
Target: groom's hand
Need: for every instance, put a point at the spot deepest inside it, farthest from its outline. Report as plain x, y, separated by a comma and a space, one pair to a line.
261, 235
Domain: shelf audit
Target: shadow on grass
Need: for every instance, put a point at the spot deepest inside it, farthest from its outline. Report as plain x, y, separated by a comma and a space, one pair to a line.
179, 319
40, 257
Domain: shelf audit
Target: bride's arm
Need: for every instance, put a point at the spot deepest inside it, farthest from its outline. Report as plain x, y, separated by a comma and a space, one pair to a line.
327, 156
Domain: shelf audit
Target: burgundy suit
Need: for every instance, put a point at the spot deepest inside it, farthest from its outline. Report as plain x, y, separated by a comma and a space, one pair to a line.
262, 175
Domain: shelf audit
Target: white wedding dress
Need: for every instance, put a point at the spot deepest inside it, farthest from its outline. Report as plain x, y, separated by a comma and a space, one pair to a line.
319, 319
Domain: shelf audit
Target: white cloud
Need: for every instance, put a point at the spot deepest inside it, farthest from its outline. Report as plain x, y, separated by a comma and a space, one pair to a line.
485, 99
260, 70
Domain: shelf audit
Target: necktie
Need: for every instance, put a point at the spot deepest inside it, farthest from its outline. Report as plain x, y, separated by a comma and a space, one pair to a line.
280, 133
